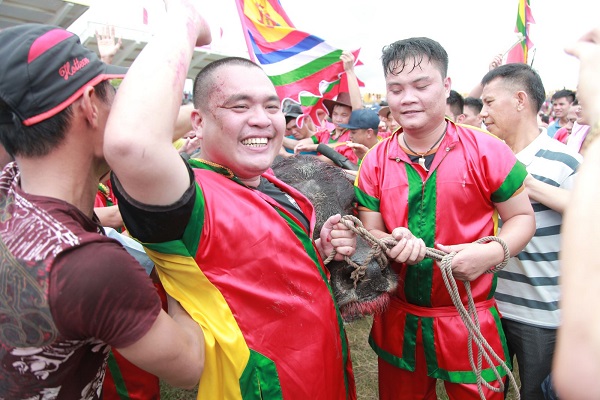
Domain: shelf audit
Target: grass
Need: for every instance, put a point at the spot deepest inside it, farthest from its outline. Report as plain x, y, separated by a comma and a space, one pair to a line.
364, 364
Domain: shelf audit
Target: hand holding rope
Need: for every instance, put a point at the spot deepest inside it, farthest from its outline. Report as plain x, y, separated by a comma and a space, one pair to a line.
468, 316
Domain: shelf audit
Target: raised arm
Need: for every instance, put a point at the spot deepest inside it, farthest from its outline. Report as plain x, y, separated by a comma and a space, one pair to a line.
139, 133
108, 46
478, 89
353, 89
183, 124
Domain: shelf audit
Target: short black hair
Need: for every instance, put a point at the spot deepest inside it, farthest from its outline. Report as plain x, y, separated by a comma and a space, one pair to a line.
566, 93
456, 103
416, 49
475, 103
523, 77
203, 82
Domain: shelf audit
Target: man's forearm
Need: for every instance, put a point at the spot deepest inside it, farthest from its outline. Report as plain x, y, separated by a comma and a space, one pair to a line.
515, 234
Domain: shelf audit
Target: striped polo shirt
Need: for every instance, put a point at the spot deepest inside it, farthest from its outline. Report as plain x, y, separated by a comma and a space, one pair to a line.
528, 289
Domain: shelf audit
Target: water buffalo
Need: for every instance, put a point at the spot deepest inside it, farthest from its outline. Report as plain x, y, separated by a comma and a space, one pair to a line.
331, 192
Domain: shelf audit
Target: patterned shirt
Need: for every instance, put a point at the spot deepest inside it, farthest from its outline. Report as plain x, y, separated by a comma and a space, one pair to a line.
67, 294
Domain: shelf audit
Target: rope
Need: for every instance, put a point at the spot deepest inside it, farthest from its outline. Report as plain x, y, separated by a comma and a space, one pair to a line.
468, 316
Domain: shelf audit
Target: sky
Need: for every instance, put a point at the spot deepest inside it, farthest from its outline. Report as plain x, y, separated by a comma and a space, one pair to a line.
471, 31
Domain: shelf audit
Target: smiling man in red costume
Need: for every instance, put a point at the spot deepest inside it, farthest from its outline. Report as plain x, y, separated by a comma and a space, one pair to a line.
230, 241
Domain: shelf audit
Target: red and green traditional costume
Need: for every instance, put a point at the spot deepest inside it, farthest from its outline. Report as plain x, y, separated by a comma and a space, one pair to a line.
248, 272
453, 203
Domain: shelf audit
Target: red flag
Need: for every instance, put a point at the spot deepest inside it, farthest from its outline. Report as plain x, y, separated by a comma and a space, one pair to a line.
303, 67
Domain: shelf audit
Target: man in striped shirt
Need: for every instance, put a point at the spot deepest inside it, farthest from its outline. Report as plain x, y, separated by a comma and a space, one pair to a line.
528, 292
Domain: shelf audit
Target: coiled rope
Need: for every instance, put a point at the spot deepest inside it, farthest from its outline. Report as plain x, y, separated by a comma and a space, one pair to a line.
468, 316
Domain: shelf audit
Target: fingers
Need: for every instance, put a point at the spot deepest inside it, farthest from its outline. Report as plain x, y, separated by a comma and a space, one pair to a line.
408, 250
333, 220
347, 56
347, 59
587, 50
444, 248
105, 32
354, 145
342, 238
583, 44
343, 251
496, 62
400, 233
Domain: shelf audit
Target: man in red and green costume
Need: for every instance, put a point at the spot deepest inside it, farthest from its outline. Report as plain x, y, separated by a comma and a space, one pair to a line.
261, 296
230, 241
434, 183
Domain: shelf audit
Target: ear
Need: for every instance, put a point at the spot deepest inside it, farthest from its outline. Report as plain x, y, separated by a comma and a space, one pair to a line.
447, 85
88, 106
522, 99
197, 122
460, 118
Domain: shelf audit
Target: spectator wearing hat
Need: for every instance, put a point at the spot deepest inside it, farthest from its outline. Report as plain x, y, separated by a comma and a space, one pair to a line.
339, 111
296, 129
69, 292
363, 127
391, 125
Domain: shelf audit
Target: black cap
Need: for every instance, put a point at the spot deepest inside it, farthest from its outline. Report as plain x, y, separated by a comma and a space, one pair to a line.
292, 111
44, 69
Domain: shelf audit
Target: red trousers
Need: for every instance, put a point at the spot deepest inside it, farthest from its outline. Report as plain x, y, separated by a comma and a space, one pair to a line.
400, 384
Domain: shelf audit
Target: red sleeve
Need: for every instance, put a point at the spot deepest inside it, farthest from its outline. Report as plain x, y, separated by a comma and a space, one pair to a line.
561, 135
322, 136
100, 200
100, 291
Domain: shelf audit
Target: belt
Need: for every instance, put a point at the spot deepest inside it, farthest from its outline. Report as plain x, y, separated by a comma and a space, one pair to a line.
443, 311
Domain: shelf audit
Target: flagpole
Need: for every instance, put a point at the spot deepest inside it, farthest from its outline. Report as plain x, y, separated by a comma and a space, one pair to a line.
521, 38
533, 57
239, 5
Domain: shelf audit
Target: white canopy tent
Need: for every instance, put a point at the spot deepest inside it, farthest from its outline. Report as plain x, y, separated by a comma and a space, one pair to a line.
82, 18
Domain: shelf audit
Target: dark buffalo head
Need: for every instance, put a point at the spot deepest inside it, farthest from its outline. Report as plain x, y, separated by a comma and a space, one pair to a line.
331, 192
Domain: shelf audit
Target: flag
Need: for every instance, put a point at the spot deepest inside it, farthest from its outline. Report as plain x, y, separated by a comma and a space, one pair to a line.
303, 67
519, 52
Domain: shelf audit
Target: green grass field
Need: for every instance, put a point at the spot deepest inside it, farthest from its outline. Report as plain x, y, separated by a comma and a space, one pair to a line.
364, 364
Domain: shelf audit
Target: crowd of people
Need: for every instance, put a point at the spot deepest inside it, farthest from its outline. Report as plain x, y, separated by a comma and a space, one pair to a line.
230, 292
